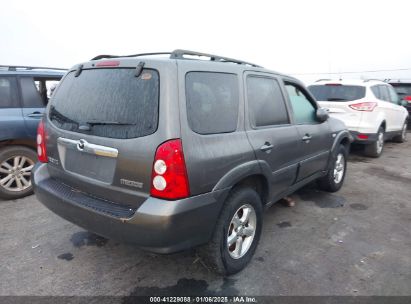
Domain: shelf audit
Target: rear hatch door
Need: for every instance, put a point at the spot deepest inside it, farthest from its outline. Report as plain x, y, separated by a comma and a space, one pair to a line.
103, 131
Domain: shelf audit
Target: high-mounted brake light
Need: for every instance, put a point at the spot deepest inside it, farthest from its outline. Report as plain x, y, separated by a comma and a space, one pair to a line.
41, 143
108, 63
169, 175
364, 106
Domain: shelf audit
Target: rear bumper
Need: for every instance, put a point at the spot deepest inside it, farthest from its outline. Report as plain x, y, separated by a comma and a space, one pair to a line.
157, 225
371, 137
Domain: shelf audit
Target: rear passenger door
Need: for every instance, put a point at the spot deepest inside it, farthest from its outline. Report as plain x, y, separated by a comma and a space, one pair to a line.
274, 139
35, 93
314, 136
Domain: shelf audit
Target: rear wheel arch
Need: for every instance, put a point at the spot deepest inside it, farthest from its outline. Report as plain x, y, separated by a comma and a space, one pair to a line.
254, 174
258, 183
18, 142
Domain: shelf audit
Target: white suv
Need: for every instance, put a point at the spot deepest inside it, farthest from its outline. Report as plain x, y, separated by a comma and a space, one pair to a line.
370, 109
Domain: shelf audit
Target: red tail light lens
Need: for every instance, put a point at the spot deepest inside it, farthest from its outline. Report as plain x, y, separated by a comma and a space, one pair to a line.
407, 98
169, 175
41, 143
364, 106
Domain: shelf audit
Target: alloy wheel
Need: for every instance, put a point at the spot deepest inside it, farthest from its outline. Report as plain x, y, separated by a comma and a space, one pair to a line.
241, 231
15, 173
339, 168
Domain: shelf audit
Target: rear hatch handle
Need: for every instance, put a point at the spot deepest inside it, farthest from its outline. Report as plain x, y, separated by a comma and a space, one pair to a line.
84, 146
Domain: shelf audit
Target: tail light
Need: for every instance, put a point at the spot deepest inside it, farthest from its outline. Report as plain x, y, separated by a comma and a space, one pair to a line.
407, 98
364, 106
41, 143
169, 175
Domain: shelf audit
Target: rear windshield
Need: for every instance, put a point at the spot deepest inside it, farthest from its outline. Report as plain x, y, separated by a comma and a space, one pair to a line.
107, 102
402, 89
337, 92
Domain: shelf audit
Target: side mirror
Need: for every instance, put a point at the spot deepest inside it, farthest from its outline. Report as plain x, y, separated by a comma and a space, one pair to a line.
322, 114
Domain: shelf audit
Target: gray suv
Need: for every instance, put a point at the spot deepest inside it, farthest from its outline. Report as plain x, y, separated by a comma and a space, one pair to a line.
174, 152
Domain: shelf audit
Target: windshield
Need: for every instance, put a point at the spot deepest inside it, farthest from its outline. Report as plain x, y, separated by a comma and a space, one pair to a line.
108, 103
337, 92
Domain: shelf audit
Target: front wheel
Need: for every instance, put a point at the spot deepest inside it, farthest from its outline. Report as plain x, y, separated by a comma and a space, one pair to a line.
236, 234
334, 179
375, 149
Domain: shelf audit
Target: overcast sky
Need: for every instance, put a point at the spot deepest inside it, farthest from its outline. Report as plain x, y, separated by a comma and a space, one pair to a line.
293, 37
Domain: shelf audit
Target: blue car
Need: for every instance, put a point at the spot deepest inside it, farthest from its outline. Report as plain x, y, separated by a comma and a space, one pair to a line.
24, 94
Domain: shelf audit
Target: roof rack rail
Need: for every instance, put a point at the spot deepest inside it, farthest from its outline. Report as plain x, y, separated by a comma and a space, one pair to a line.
181, 54
323, 79
134, 55
29, 68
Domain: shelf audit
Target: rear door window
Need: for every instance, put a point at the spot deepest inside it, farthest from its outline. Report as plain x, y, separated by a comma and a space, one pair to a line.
266, 102
8, 93
212, 101
107, 102
337, 92
34, 95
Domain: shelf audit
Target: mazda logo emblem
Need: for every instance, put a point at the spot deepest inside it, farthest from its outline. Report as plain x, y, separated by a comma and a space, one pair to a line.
81, 144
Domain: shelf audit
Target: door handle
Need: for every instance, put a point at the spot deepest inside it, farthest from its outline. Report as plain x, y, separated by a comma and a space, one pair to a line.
307, 137
35, 115
266, 147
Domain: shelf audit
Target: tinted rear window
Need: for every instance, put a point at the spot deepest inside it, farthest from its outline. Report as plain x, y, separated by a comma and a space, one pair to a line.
337, 92
108, 102
212, 102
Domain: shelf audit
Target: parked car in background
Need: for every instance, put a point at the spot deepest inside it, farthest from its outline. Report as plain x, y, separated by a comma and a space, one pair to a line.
24, 94
371, 110
403, 89
171, 153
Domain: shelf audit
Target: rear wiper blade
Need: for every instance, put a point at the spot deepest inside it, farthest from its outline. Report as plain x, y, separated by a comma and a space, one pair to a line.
103, 123
86, 126
60, 117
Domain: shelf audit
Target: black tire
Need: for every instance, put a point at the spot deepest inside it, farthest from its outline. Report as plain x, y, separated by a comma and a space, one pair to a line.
375, 149
216, 253
330, 182
401, 138
7, 153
